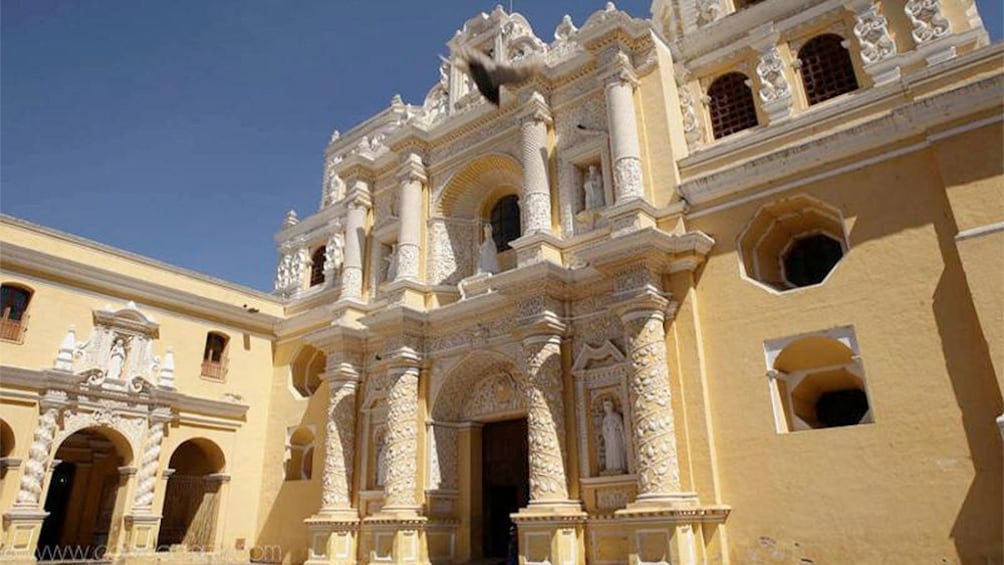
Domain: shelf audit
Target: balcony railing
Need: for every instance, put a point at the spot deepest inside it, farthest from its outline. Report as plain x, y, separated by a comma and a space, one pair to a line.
11, 330
215, 370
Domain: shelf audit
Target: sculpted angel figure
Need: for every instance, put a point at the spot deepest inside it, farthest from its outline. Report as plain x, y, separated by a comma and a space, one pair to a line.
593, 189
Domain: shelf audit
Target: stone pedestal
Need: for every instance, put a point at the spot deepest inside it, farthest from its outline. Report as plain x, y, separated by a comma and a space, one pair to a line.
22, 526
333, 538
141, 532
551, 533
393, 539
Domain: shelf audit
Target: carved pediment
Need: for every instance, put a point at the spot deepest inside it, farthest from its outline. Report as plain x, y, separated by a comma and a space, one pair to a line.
602, 357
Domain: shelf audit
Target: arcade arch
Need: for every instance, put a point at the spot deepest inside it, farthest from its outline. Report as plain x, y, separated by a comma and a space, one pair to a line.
192, 497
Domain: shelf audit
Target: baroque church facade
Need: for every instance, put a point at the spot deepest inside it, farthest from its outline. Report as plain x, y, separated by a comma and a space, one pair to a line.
722, 285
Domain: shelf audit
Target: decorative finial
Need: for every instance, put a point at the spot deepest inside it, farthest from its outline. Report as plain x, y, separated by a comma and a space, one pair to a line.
610, 7
166, 379
396, 101
335, 136
291, 219
64, 359
565, 29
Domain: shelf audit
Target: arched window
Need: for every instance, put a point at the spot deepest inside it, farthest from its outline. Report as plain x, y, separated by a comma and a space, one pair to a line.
826, 68
504, 218
317, 267
214, 360
300, 446
732, 107
14, 301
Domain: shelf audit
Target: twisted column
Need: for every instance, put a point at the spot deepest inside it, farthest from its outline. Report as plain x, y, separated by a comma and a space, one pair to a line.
653, 427
626, 151
147, 477
355, 241
339, 449
410, 227
545, 413
536, 200
30, 491
402, 439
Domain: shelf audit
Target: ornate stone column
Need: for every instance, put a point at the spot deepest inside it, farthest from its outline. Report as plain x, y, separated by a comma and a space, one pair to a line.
624, 146
878, 50
411, 177
643, 315
333, 529
23, 523
359, 203
545, 411
150, 463
775, 92
402, 437
535, 203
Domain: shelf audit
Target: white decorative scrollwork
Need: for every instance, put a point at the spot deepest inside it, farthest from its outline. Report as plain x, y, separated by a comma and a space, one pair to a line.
147, 477
627, 177
339, 448
334, 253
928, 22
38, 454
692, 130
708, 11
402, 414
545, 419
872, 30
773, 83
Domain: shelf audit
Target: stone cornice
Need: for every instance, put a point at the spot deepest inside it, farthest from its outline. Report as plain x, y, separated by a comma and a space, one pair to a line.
47, 380
122, 254
21, 259
666, 251
913, 119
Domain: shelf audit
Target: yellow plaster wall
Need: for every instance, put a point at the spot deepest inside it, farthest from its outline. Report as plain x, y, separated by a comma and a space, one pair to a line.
925, 477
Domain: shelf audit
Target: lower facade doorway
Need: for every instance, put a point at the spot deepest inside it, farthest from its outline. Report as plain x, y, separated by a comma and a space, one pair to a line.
505, 484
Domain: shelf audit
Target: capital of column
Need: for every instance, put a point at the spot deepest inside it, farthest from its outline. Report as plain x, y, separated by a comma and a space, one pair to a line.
621, 72
53, 400
645, 302
541, 327
412, 169
342, 372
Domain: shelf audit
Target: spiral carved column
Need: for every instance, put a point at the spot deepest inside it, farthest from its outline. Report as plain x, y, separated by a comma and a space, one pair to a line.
147, 477
30, 492
339, 449
402, 440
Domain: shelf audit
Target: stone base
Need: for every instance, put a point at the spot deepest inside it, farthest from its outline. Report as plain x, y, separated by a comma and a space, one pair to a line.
537, 248
631, 216
141, 532
393, 537
21, 529
333, 538
551, 532
682, 532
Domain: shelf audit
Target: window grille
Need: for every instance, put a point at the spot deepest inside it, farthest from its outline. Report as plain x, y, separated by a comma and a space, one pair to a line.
317, 267
826, 68
732, 108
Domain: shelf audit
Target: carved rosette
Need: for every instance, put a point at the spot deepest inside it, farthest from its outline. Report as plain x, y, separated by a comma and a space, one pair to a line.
773, 84
38, 455
339, 446
627, 178
545, 418
147, 477
928, 22
402, 439
651, 400
872, 30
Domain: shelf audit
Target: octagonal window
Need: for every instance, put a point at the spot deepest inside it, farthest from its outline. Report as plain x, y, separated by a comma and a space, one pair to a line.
809, 259
792, 243
306, 369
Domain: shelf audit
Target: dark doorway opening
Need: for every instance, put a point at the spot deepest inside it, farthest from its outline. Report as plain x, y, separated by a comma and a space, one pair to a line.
55, 504
505, 482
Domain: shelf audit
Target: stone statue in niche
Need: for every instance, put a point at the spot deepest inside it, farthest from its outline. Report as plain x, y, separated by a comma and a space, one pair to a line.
391, 259
116, 358
381, 462
613, 440
592, 189
488, 257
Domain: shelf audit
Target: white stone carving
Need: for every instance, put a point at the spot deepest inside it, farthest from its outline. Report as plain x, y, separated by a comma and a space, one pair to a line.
339, 446
30, 491
872, 30
488, 258
334, 254
402, 442
149, 464
284, 280
692, 130
334, 186
773, 83
615, 454
380, 478
708, 11
612, 499
166, 380
390, 269
627, 176
545, 418
928, 22
291, 219
592, 189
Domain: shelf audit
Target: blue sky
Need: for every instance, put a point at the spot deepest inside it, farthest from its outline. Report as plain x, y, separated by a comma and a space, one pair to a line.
183, 130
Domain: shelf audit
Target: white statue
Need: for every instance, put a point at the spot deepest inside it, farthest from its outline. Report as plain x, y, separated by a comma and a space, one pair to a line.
391, 260
488, 257
116, 359
381, 462
593, 189
613, 439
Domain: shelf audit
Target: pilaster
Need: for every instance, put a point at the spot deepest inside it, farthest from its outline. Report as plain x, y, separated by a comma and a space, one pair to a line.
625, 147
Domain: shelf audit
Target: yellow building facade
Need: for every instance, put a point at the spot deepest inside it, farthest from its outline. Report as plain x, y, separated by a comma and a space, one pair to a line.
719, 286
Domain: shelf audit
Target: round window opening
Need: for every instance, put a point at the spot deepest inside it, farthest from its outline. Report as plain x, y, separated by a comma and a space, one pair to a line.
810, 259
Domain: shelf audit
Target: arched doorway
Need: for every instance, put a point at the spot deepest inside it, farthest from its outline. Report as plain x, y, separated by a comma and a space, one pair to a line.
479, 415
83, 498
192, 497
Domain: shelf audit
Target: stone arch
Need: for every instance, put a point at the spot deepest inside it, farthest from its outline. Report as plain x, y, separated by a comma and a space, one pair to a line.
125, 433
6, 439
85, 497
488, 177
482, 385
192, 496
